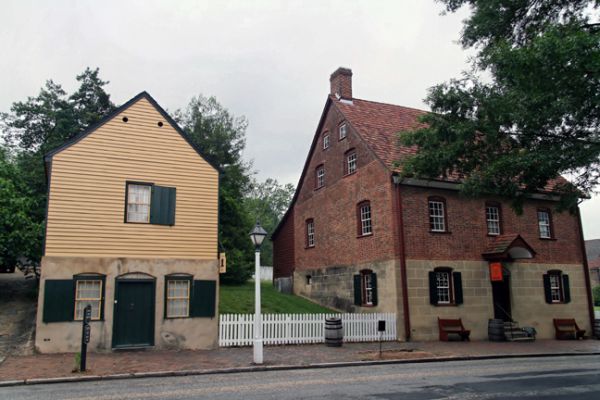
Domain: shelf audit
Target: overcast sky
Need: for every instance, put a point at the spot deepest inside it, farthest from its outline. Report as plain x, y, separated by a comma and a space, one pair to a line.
267, 60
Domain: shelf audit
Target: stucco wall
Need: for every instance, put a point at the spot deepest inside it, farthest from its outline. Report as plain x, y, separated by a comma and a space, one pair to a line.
334, 286
180, 333
529, 307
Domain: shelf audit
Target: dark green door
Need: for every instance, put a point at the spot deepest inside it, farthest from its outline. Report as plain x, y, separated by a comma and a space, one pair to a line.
134, 313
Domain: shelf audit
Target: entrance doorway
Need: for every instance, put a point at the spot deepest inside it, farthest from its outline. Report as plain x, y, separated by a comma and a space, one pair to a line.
501, 298
133, 324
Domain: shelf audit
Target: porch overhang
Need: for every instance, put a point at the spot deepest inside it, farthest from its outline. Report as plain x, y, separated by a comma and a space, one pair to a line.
508, 248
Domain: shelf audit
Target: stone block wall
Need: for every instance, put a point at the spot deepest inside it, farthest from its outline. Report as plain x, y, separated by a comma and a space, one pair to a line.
528, 304
334, 286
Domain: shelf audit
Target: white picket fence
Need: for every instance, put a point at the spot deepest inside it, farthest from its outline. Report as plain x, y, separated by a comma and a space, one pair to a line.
238, 329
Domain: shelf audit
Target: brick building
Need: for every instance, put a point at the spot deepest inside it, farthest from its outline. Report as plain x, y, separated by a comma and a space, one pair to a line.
357, 238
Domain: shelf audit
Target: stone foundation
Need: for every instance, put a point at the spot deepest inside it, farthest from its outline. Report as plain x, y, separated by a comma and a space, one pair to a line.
528, 304
179, 333
334, 286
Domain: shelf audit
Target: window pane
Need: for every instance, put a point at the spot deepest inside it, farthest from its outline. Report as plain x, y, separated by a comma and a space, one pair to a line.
88, 292
544, 224
178, 297
365, 219
138, 203
443, 286
493, 220
437, 221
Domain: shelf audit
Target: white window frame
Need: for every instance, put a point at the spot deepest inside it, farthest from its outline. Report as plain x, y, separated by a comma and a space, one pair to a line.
171, 298
320, 176
310, 233
437, 216
343, 131
443, 284
367, 284
133, 199
351, 162
556, 290
365, 219
492, 217
325, 142
544, 224
78, 312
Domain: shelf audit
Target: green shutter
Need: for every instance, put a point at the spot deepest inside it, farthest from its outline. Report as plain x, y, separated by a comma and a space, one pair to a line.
59, 300
203, 299
458, 292
433, 297
547, 291
566, 288
374, 283
162, 206
357, 290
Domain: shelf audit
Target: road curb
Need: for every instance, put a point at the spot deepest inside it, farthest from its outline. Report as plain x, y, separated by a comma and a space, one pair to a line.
264, 368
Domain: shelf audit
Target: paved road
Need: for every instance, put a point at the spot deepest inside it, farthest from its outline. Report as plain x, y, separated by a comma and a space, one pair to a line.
534, 378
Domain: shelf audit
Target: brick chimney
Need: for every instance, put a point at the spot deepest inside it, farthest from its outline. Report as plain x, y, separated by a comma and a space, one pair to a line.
341, 83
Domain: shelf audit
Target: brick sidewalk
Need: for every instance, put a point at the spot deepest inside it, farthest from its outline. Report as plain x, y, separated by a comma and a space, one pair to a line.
61, 365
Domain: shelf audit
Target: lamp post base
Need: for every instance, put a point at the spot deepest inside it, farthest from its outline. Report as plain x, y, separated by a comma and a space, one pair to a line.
258, 351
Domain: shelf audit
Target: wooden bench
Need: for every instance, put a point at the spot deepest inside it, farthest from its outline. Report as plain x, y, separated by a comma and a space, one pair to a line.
567, 328
452, 326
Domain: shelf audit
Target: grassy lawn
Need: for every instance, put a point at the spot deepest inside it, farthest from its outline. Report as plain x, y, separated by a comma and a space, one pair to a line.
240, 300
597, 308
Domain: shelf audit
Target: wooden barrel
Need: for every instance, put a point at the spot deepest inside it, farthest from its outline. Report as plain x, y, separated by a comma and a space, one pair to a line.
597, 328
334, 332
496, 330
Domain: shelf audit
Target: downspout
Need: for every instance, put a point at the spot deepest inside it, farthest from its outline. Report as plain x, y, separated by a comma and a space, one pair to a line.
586, 271
402, 255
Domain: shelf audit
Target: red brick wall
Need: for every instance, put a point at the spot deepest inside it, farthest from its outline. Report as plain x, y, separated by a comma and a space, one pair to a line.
283, 248
333, 207
468, 232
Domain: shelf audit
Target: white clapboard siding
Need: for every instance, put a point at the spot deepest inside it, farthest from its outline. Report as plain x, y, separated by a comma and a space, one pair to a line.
238, 329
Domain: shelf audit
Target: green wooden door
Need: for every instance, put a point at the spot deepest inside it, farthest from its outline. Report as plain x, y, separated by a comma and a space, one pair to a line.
133, 324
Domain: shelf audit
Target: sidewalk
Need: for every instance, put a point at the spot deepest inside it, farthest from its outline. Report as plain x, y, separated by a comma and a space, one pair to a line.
129, 362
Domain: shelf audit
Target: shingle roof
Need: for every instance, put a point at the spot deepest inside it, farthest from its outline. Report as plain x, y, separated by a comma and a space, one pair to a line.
379, 124
501, 244
595, 263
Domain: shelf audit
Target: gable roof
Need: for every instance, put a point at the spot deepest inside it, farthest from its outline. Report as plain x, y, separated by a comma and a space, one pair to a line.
502, 247
377, 125
143, 95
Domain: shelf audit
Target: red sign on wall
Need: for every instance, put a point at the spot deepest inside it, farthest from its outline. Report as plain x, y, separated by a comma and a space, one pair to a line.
496, 272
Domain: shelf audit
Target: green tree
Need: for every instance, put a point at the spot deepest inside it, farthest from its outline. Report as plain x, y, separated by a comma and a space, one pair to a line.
37, 125
267, 202
20, 232
529, 108
222, 139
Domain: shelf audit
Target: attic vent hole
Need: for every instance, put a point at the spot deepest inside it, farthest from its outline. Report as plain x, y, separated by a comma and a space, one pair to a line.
125, 119
160, 123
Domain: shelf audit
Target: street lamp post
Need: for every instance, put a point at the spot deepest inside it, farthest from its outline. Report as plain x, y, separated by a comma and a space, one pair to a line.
257, 235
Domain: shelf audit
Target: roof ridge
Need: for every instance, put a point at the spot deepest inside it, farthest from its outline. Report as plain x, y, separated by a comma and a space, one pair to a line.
391, 104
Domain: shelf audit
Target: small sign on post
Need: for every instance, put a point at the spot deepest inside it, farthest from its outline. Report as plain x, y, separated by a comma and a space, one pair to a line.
380, 329
85, 336
496, 274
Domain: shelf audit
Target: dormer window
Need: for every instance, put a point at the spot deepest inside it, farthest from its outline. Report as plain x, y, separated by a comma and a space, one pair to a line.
343, 129
325, 141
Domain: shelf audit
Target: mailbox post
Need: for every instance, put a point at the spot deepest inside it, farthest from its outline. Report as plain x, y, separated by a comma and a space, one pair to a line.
85, 336
381, 330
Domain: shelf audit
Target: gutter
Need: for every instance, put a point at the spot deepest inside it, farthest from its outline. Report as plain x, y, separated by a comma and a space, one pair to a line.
586, 272
401, 252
